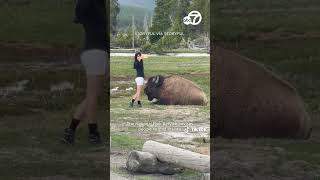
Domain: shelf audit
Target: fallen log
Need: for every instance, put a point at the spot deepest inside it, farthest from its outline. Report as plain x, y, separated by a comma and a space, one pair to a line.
178, 156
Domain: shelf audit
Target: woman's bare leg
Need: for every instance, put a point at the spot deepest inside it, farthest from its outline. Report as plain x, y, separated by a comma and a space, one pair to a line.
94, 85
134, 96
139, 88
80, 111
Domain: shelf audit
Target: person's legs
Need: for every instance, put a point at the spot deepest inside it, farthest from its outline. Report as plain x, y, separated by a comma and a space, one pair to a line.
138, 93
134, 97
94, 62
80, 111
139, 89
77, 117
94, 89
94, 84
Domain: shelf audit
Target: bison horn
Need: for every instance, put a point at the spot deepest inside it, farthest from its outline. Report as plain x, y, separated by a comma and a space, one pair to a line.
157, 80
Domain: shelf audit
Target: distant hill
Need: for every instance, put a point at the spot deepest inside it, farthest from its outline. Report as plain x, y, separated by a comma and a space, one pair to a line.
147, 4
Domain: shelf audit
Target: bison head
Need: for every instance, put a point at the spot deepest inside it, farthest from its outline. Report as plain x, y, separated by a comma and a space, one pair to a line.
153, 86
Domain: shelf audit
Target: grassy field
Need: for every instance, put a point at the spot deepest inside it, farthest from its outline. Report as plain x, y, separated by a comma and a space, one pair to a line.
266, 19
33, 116
171, 51
126, 137
39, 22
283, 35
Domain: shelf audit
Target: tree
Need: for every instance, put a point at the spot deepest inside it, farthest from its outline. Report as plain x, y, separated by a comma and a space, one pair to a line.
203, 6
168, 17
115, 9
181, 11
161, 19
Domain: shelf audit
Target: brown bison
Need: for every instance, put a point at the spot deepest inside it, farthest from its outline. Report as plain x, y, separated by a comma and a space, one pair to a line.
174, 90
251, 101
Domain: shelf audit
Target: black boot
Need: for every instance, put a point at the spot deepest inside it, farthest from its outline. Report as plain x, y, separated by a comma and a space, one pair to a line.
139, 104
94, 138
132, 102
69, 135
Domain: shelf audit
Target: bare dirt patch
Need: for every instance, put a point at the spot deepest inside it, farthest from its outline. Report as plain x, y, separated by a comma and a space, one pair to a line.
192, 116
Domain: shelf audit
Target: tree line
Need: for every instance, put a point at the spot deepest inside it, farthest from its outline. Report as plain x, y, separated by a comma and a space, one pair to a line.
167, 17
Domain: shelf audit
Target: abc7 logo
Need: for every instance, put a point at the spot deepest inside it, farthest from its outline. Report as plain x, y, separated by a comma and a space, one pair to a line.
193, 18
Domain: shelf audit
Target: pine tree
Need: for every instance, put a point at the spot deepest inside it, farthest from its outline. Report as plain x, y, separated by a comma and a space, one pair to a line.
161, 19
181, 11
203, 6
115, 9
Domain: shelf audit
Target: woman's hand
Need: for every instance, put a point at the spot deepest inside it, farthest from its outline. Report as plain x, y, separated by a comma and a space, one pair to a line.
144, 56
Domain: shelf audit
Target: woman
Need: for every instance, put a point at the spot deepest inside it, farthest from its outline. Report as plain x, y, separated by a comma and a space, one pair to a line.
138, 65
92, 15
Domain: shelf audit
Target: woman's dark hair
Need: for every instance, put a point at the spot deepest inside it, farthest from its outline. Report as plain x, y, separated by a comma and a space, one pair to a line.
136, 59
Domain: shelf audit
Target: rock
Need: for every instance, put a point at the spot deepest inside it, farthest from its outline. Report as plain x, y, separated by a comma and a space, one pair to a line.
206, 176
62, 86
146, 162
280, 150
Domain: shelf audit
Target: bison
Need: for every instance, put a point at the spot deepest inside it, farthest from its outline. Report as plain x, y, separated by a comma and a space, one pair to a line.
174, 90
251, 101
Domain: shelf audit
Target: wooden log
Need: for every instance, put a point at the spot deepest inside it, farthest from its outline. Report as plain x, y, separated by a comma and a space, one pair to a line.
178, 156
